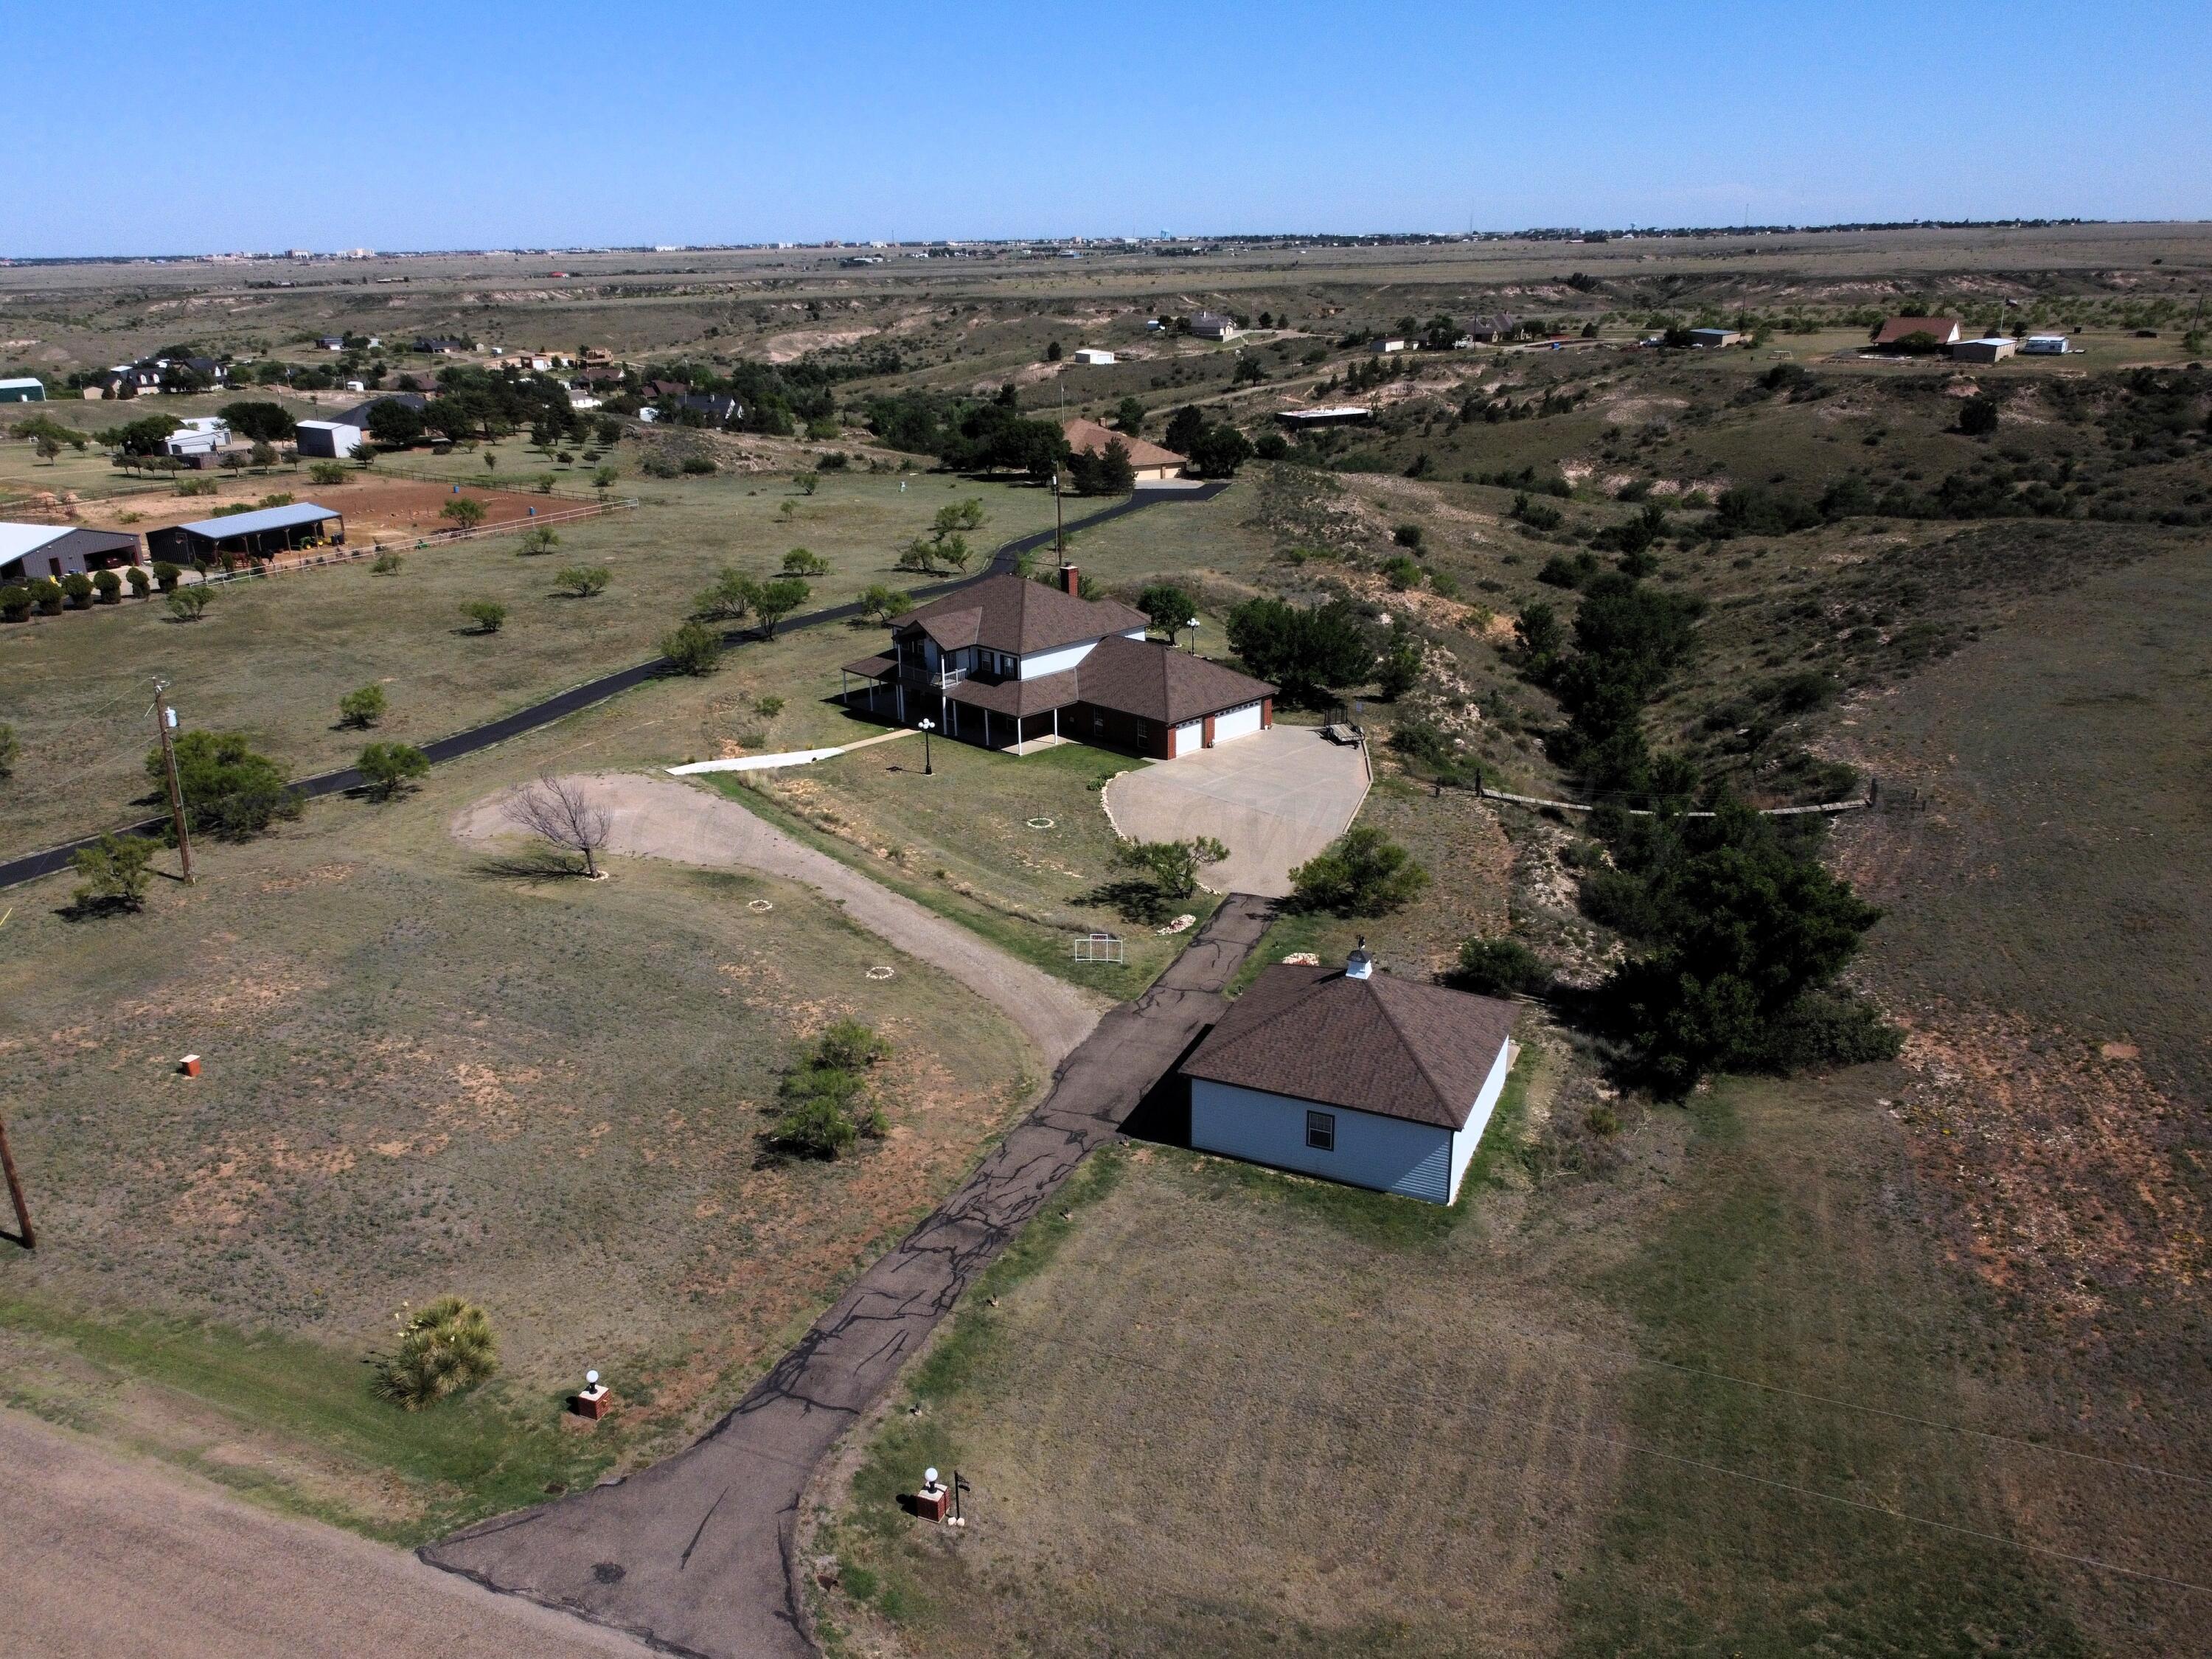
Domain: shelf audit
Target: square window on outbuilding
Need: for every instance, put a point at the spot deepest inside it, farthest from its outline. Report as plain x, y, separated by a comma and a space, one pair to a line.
1320, 1131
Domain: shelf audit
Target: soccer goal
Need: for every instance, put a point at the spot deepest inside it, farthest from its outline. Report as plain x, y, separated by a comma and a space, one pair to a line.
1099, 947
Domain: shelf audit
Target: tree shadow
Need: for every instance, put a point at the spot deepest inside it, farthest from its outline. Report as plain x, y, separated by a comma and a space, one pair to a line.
542, 865
1134, 899
97, 909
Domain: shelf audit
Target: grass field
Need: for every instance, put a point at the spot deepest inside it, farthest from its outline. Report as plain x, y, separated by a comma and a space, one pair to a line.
272, 657
423, 1072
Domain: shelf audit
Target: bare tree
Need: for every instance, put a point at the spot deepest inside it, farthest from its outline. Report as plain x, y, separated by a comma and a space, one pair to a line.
556, 808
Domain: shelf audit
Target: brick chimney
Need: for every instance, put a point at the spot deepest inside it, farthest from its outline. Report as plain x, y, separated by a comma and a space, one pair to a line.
1072, 579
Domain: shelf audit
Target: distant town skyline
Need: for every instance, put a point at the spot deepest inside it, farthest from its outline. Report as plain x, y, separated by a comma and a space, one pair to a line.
500, 127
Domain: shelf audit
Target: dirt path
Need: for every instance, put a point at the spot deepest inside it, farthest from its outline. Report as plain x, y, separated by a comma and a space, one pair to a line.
696, 1554
106, 1556
655, 817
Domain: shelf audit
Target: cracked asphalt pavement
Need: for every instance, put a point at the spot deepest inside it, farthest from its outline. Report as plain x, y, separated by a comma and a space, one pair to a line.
696, 1555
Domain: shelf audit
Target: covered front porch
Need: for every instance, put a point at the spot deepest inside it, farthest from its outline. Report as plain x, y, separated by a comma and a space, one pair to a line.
1017, 716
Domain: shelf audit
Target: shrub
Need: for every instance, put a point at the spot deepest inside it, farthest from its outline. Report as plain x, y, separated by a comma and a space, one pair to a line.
1494, 966
113, 874
697, 466
384, 564
849, 1046
9, 748
692, 648
446, 1349
1171, 608
466, 512
14, 603
1407, 536
816, 1126
166, 575
1978, 415
326, 472
768, 707
879, 602
1536, 514
730, 598
801, 562
46, 594
140, 581
362, 709
1399, 669
1402, 573
1362, 873
77, 587
545, 481
486, 614
191, 603
825, 1105
777, 600
1173, 865
388, 768
583, 580
1271, 446
108, 586
229, 791
539, 538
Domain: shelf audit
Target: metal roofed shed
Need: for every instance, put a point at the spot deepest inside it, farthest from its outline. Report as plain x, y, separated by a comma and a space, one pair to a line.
1991, 349
28, 551
332, 439
23, 389
1333, 415
258, 535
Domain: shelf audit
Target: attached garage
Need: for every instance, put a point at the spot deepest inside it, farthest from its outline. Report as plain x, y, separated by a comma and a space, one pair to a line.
1188, 736
1242, 721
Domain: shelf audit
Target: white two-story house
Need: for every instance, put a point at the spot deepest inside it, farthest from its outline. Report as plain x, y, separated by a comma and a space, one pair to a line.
1007, 663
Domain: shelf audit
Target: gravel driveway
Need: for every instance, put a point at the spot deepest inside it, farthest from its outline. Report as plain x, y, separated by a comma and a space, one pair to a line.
655, 817
108, 1556
1275, 798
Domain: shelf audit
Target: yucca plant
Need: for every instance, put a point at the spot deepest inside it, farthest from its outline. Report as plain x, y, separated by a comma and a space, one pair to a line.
446, 1349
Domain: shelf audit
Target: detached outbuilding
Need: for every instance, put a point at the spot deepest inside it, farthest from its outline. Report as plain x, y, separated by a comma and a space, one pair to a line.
330, 439
1353, 1076
22, 389
258, 535
28, 551
1716, 340
1991, 349
1093, 356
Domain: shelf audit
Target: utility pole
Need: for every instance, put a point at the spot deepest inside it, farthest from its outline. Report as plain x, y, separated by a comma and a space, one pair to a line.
165, 722
16, 1192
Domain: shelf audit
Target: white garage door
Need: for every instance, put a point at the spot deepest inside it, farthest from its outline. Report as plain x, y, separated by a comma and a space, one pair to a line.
1237, 722
1189, 739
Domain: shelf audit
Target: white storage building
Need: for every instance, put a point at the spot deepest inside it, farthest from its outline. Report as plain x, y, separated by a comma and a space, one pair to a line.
331, 440
1353, 1076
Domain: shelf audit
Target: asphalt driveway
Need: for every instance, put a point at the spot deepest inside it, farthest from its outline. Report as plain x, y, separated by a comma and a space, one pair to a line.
1275, 798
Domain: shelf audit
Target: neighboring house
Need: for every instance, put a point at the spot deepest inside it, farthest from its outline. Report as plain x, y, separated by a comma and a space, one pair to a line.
580, 399
1714, 339
1212, 326
331, 342
1151, 462
201, 435
1333, 415
1353, 1076
1488, 330
1384, 344
601, 374
329, 440
441, 346
26, 390
258, 535
28, 551
1008, 662
716, 409
1991, 349
1093, 356
2045, 346
358, 414
1895, 331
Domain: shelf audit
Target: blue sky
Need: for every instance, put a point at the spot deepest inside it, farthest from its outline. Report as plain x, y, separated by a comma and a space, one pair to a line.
234, 124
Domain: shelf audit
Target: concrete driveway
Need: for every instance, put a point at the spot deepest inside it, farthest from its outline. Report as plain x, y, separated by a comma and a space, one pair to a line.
1275, 798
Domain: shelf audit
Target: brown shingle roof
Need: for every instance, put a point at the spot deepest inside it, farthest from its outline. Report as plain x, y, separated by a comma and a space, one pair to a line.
1008, 613
1083, 436
1903, 328
1393, 1047
1017, 698
1159, 683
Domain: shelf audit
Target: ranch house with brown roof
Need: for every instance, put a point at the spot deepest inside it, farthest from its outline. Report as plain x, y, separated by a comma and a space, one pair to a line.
1007, 663
1150, 462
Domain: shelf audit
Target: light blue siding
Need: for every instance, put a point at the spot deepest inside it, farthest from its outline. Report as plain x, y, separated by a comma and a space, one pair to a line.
1465, 1142
1385, 1153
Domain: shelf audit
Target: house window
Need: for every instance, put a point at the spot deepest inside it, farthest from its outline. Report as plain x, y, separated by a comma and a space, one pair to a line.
1321, 1132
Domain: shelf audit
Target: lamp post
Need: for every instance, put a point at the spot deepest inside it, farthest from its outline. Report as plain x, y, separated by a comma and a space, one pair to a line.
1192, 625
927, 725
